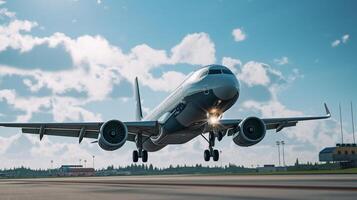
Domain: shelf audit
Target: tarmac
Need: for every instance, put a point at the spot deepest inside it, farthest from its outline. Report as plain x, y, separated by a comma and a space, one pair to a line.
182, 187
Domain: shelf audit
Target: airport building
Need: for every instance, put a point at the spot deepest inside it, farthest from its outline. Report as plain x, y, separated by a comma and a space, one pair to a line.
75, 170
345, 154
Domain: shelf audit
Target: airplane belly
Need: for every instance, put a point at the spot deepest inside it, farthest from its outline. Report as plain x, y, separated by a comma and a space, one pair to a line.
192, 111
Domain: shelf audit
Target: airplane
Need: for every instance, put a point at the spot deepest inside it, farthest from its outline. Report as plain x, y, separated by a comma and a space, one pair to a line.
194, 108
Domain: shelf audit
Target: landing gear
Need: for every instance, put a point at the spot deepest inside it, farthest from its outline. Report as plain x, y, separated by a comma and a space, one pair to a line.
144, 156
206, 155
214, 153
135, 156
140, 153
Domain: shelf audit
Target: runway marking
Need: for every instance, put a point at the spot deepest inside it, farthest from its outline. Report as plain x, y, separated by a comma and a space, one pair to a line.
289, 187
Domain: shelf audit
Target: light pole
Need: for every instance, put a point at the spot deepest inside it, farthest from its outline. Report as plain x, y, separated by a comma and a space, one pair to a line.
80, 161
93, 160
51, 164
278, 144
282, 145
85, 163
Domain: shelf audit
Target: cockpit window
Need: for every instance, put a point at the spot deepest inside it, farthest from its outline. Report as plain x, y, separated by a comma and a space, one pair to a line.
214, 71
204, 73
226, 71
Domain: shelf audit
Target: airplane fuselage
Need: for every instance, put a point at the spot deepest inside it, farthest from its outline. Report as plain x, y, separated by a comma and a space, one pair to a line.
183, 115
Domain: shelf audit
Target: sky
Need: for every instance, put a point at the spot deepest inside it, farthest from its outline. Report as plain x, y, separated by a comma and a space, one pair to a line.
75, 60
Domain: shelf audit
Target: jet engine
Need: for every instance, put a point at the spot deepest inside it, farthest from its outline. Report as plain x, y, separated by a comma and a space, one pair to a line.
112, 135
250, 131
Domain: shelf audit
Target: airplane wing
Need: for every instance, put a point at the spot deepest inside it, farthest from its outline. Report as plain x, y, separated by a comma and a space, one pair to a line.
271, 123
83, 130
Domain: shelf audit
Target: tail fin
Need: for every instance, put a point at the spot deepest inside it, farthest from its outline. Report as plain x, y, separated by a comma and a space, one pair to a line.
139, 112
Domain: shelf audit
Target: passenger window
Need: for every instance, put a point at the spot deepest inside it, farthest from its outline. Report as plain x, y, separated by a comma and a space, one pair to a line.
215, 71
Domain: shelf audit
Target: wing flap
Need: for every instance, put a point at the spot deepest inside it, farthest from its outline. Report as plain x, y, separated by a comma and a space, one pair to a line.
83, 130
62, 132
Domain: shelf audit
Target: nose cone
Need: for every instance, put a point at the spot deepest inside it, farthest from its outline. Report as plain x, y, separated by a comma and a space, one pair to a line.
226, 92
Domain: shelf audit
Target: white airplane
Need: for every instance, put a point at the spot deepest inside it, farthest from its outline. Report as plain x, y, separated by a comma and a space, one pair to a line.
194, 108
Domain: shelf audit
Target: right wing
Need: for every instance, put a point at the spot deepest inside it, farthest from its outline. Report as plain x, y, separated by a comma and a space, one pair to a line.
231, 125
83, 129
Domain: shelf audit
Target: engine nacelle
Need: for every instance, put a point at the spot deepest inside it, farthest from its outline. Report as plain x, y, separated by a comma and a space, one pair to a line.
113, 135
251, 131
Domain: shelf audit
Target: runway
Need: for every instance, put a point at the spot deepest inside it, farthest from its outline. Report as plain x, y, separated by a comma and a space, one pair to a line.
183, 187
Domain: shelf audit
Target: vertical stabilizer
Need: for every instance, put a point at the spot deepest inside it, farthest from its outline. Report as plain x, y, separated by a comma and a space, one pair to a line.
139, 113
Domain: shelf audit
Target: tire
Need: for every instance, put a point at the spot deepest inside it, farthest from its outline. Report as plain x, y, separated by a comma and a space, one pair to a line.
144, 157
215, 155
206, 155
135, 156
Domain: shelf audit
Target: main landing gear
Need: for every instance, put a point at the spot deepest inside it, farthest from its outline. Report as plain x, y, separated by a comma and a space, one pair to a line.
210, 152
140, 153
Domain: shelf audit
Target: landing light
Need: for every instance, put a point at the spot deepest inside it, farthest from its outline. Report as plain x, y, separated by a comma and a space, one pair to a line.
213, 120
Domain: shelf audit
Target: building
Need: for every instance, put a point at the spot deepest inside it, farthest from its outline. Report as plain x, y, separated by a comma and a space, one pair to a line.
75, 170
345, 154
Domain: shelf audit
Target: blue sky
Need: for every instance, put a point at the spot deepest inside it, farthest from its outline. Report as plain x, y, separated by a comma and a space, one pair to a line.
75, 60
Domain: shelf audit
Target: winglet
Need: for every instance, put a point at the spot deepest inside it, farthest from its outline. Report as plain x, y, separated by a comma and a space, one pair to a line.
328, 113
139, 112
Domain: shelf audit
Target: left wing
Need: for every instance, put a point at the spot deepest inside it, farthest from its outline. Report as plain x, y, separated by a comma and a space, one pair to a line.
272, 123
82, 130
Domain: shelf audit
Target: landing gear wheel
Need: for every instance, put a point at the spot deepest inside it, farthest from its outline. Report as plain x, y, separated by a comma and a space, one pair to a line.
215, 155
135, 156
144, 156
206, 155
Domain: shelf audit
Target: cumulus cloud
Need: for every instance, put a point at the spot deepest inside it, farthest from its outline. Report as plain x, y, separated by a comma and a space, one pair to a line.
29, 105
239, 35
196, 48
282, 61
2, 2
101, 63
254, 73
232, 64
11, 36
6, 13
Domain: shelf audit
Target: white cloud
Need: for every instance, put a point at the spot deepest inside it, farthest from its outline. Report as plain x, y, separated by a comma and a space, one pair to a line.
2, 2
345, 38
102, 63
11, 36
239, 35
231, 63
196, 48
254, 73
99, 1
282, 61
5, 12
29, 105
335, 43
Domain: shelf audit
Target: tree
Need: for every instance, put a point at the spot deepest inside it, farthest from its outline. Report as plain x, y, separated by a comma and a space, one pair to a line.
297, 162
